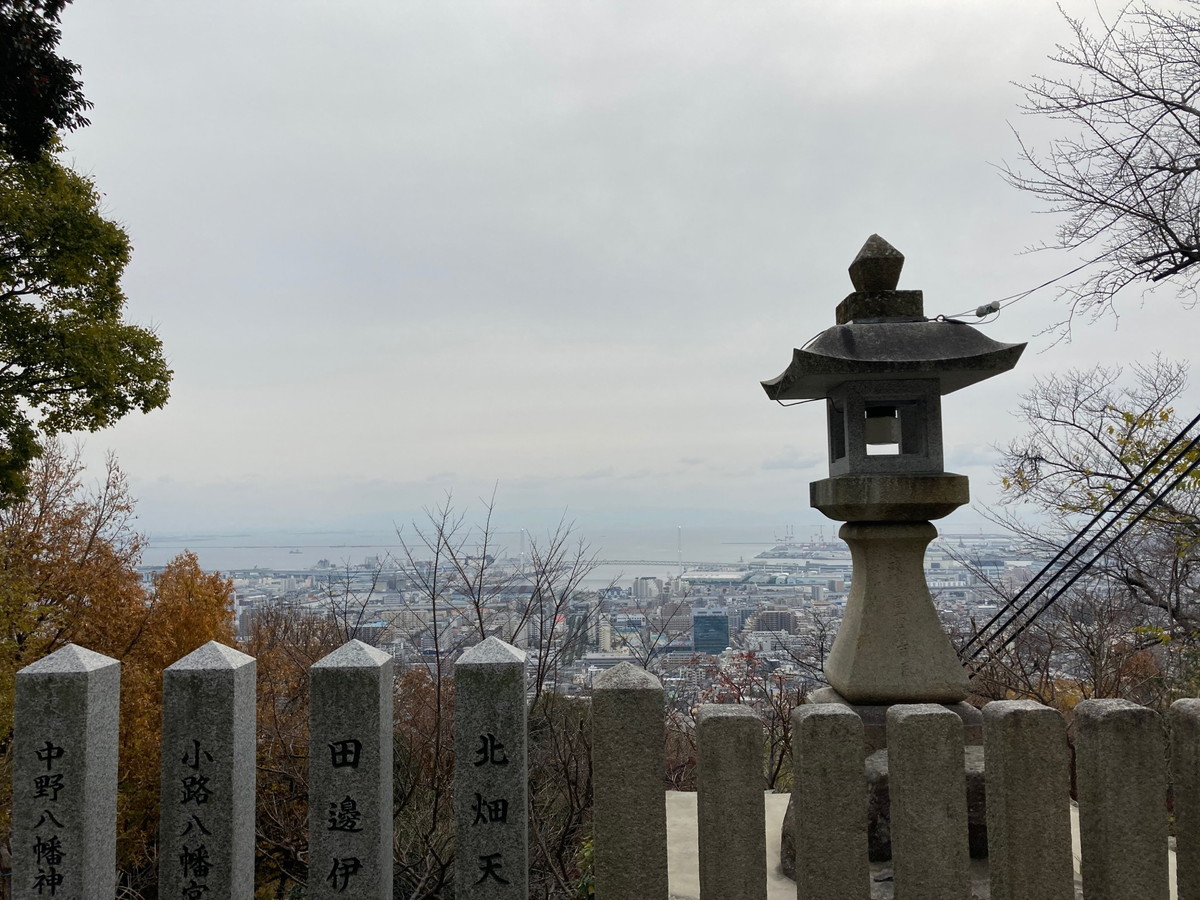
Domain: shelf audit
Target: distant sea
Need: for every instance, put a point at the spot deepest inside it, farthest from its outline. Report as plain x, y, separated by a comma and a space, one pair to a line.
627, 553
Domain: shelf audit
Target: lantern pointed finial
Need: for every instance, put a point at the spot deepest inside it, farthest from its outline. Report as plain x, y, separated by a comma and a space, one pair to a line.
877, 266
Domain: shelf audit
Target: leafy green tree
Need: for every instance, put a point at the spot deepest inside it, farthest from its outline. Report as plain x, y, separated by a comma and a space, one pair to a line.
68, 362
39, 91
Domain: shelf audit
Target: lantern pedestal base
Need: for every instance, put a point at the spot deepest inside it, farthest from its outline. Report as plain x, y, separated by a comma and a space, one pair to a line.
891, 647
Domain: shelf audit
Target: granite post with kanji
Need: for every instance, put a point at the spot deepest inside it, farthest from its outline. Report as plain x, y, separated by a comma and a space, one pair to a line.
491, 801
350, 774
65, 776
206, 826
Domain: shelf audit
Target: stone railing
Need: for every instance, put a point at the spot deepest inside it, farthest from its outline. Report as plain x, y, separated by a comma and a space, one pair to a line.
65, 779
1121, 767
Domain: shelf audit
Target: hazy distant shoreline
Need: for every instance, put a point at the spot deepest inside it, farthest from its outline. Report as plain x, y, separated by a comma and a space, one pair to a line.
233, 551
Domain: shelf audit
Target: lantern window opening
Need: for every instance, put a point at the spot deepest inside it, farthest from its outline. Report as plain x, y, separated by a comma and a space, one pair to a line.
894, 428
885, 426
881, 431
837, 429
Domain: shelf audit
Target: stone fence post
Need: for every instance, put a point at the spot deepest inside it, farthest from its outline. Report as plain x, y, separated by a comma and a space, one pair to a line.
1120, 752
65, 776
1028, 801
730, 805
929, 803
491, 784
350, 774
629, 813
206, 824
1184, 721
830, 796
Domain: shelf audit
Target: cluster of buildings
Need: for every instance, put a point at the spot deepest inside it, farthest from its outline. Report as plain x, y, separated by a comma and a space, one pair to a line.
784, 607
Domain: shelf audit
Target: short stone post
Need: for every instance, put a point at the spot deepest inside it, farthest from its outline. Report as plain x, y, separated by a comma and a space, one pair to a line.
206, 827
1184, 721
629, 813
350, 774
65, 776
1120, 775
491, 785
1028, 801
730, 806
929, 803
830, 796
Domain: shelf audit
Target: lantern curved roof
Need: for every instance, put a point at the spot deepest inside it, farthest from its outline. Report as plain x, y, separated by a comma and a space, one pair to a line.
953, 353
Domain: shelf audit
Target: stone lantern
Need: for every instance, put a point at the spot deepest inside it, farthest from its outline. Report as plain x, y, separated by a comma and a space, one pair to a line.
882, 371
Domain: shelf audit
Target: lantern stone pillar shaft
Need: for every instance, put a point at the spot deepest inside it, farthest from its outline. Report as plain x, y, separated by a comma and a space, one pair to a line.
891, 647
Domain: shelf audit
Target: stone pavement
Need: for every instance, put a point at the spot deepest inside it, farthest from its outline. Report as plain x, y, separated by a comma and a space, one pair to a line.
683, 858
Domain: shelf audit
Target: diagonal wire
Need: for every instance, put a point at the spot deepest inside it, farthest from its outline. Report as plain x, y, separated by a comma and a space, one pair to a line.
1061, 572
1083, 569
1117, 498
983, 638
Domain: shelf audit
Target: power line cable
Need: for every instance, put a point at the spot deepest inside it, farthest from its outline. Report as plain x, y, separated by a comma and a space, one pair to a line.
1117, 498
1083, 569
1021, 295
1045, 586
983, 639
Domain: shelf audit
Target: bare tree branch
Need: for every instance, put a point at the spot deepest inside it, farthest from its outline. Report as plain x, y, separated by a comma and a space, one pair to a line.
1124, 175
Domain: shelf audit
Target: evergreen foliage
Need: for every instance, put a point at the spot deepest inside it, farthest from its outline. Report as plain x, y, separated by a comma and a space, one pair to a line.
68, 361
39, 91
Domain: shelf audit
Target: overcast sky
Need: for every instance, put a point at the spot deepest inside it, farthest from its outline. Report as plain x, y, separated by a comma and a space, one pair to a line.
395, 248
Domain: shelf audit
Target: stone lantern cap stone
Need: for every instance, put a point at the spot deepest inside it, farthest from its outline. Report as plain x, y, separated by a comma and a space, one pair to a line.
882, 334
955, 355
